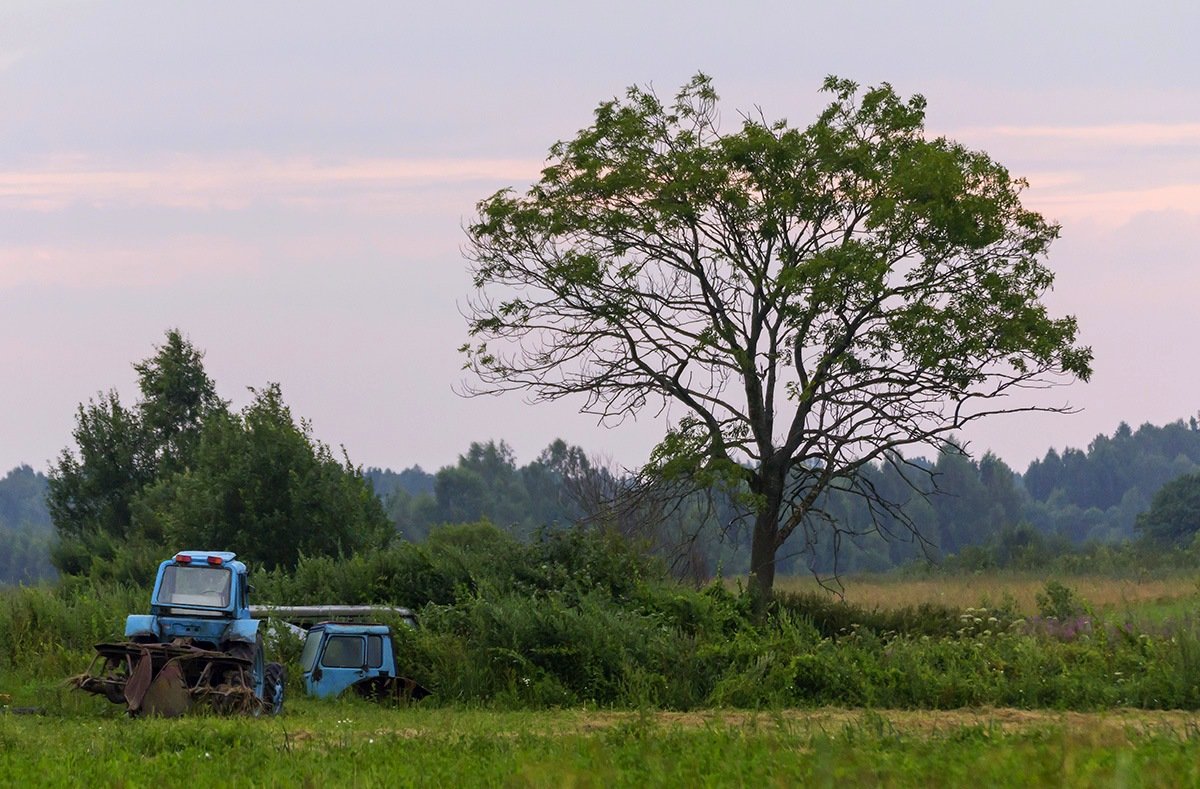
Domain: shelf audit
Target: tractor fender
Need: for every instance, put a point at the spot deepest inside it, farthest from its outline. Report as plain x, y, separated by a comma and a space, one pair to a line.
241, 630
141, 626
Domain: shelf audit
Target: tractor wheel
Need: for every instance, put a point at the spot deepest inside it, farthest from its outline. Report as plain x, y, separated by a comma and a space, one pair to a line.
235, 678
276, 679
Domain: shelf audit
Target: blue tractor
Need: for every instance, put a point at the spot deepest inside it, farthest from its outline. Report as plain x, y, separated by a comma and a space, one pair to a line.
198, 644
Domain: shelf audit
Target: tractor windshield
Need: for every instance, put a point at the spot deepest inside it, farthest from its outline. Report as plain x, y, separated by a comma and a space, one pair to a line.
189, 586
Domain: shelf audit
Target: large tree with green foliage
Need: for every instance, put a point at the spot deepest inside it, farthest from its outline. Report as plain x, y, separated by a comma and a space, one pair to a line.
799, 302
262, 486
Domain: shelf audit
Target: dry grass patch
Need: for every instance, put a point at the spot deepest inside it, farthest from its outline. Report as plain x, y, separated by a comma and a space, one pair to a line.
1111, 727
964, 591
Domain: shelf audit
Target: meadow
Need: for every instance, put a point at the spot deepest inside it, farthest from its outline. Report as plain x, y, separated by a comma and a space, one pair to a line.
352, 743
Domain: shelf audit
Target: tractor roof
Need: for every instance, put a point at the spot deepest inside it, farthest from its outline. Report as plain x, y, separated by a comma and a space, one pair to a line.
201, 557
209, 558
352, 628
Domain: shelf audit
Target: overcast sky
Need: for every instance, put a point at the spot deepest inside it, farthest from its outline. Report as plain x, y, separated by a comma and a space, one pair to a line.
287, 184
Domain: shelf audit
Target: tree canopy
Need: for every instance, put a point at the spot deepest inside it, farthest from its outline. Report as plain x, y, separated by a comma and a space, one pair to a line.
800, 302
1174, 514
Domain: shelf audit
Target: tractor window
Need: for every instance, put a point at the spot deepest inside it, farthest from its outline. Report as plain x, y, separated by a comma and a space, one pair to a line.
374, 651
343, 652
206, 586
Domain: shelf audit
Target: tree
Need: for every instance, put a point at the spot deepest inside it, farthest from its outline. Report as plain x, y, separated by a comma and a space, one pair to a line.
1174, 514
800, 303
23, 499
120, 451
177, 397
24, 527
263, 487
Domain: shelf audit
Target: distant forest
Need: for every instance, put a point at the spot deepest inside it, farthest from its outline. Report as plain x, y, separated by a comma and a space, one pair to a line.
25, 528
1062, 501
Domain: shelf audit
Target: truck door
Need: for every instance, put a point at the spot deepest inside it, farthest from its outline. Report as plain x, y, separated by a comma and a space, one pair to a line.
343, 662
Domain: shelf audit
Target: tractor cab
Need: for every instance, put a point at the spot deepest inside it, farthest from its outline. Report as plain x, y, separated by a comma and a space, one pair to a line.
199, 595
198, 583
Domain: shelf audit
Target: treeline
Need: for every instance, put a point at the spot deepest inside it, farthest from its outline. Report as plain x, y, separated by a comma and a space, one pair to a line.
1097, 494
978, 512
1064, 503
178, 467
25, 528
486, 483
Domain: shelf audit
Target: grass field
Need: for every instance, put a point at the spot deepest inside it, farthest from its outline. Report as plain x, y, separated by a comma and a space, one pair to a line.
355, 744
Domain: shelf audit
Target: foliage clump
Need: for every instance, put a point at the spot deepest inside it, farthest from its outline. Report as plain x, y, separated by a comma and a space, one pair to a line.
179, 468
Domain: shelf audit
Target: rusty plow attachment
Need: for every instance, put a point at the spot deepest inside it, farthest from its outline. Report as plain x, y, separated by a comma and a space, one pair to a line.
167, 679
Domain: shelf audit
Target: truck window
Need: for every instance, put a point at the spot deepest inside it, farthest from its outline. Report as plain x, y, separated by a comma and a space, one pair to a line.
343, 652
374, 651
312, 642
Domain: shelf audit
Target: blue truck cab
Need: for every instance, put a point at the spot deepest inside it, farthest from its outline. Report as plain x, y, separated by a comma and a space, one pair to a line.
340, 656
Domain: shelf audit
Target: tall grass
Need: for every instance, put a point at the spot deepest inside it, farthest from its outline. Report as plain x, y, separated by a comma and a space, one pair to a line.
47, 633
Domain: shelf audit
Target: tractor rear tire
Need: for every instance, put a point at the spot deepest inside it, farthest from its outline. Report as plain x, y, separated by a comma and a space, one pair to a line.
276, 679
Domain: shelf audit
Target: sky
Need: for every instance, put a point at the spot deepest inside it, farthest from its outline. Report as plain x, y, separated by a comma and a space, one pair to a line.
287, 183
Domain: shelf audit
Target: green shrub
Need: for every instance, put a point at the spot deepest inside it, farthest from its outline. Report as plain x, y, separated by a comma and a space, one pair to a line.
1059, 602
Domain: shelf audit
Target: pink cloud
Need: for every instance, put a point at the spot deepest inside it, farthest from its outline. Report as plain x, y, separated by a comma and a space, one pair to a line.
236, 182
1113, 206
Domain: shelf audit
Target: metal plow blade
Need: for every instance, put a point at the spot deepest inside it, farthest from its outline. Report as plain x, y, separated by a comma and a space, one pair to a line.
168, 694
167, 679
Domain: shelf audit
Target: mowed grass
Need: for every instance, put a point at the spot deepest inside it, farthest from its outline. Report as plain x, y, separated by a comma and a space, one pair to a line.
356, 744
1152, 597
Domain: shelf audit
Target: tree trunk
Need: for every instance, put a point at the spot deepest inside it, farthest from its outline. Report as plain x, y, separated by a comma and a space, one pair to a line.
762, 560
765, 543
